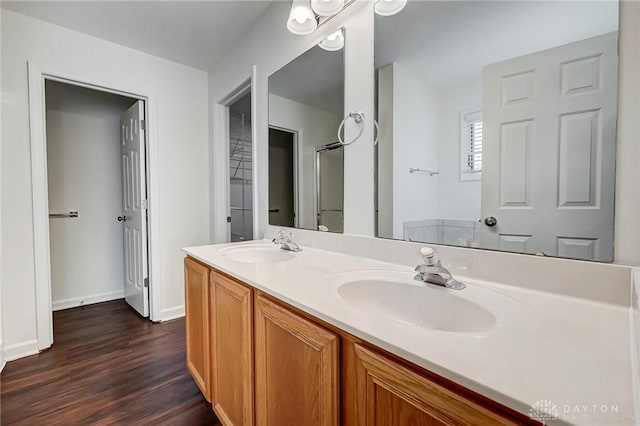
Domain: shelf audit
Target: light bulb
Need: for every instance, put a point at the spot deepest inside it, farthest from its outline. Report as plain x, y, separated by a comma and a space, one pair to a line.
327, 7
389, 7
333, 42
302, 20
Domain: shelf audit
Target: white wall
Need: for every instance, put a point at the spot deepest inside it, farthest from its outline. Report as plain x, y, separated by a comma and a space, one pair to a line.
415, 145
180, 127
315, 128
269, 46
457, 200
85, 174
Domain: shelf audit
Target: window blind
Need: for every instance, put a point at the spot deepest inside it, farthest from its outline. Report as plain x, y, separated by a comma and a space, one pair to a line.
472, 143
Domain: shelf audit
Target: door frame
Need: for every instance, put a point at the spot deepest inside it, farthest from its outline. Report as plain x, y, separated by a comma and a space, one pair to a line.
219, 160
40, 193
296, 165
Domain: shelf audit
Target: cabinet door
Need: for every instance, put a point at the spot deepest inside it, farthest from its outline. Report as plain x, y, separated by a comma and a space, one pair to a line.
196, 298
389, 394
232, 350
296, 369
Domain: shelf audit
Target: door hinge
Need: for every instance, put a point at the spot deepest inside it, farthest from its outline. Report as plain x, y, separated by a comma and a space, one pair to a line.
145, 204
143, 125
146, 282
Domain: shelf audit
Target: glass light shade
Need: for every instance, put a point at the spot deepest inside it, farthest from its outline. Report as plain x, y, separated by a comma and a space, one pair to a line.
301, 20
333, 42
389, 7
327, 7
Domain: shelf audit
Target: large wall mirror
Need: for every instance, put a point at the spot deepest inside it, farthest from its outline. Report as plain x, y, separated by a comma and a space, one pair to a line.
498, 125
306, 163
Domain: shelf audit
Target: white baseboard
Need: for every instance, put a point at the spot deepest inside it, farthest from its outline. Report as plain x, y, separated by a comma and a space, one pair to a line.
58, 305
172, 313
20, 350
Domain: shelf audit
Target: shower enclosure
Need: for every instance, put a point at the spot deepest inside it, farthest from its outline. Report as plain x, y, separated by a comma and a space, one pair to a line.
330, 187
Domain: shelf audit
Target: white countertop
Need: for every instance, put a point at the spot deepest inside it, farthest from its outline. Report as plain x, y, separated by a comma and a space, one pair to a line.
574, 353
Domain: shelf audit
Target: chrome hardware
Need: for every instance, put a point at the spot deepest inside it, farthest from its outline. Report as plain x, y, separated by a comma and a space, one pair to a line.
432, 271
286, 242
62, 215
490, 221
122, 218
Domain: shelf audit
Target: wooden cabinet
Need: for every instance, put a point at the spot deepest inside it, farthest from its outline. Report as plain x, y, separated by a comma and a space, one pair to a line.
196, 295
260, 361
389, 394
296, 367
232, 350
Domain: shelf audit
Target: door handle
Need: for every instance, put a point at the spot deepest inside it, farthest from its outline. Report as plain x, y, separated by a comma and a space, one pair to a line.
490, 221
122, 218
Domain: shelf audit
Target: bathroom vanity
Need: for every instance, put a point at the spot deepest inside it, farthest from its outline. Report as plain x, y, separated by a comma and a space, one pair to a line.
316, 337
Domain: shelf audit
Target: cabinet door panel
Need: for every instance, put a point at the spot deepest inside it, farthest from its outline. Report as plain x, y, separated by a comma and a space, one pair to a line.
296, 369
232, 350
389, 394
196, 289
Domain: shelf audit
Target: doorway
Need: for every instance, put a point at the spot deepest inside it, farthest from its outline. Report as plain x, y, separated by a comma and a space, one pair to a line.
240, 170
97, 197
282, 177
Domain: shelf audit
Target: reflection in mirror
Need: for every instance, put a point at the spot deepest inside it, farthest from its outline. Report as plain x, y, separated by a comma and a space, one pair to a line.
498, 125
306, 164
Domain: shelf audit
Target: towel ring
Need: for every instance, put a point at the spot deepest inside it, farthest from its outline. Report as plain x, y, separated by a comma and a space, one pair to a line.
358, 118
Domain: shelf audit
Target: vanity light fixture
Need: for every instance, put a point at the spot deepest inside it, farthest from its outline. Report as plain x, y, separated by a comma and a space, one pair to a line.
306, 15
333, 42
389, 7
302, 20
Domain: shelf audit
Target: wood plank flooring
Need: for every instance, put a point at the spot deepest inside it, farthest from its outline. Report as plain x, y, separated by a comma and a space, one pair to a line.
107, 366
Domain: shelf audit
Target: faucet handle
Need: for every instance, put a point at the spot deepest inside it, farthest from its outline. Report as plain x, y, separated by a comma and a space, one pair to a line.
428, 255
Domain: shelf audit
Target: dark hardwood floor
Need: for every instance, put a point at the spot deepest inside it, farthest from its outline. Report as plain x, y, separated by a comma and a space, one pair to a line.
107, 366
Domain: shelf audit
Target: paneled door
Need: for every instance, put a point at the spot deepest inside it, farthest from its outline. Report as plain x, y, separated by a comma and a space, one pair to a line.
549, 151
134, 211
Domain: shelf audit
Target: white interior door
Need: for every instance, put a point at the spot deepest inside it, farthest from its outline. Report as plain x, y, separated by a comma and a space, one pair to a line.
134, 209
549, 150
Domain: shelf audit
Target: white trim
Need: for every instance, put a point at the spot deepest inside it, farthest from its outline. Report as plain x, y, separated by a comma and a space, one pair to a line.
87, 300
20, 350
37, 130
220, 173
255, 158
40, 204
172, 313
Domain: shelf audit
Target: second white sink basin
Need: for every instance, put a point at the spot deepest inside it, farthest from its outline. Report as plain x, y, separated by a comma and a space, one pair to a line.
421, 305
257, 253
395, 296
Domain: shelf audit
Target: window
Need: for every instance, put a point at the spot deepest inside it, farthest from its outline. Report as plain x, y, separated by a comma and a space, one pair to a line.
471, 145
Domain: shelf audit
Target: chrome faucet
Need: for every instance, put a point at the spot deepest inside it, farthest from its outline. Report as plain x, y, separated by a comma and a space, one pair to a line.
286, 242
432, 271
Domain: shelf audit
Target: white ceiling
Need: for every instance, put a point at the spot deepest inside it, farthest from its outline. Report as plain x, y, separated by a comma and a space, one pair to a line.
195, 33
448, 42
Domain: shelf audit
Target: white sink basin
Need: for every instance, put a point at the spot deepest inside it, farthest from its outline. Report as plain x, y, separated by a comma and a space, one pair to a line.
257, 253
419, 305
395, 296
